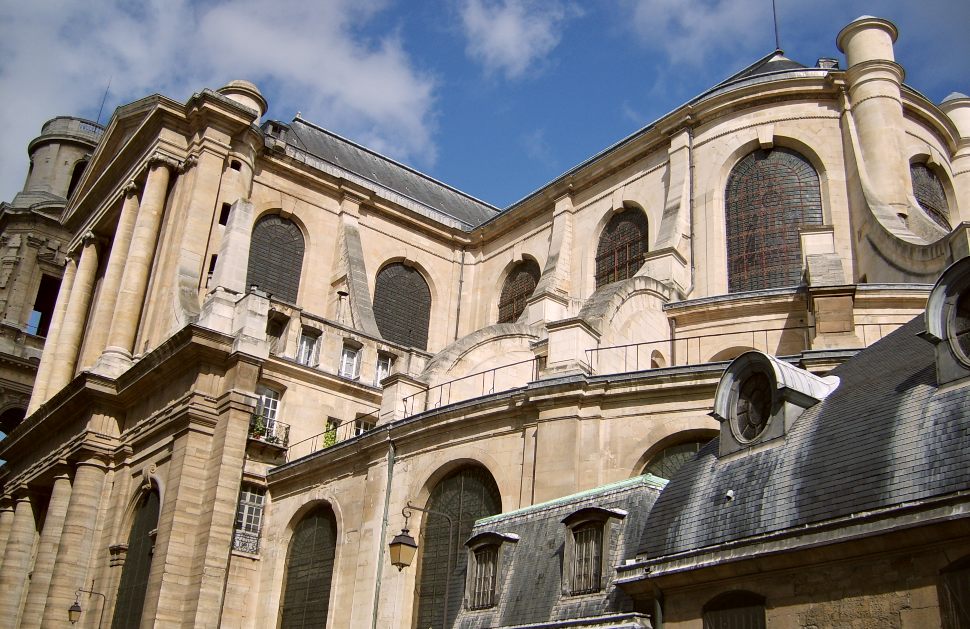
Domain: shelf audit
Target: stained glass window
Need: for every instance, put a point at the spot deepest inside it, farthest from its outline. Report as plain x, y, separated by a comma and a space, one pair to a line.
622, 245
309, 570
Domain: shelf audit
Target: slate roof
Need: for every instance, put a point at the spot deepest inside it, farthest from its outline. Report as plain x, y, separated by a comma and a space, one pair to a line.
530, 590
385, 172
887, 436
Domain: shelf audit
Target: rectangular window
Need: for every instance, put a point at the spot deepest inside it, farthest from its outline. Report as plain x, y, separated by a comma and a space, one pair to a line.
269, 403
43, 311
350, 362
483, 584
384, 363
309, 345
587, 559
362, 425
224, 214
249, 519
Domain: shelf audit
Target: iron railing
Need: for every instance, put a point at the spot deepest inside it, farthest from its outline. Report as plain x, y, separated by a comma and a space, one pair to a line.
245, 541
471, 386
333, 435
262, 428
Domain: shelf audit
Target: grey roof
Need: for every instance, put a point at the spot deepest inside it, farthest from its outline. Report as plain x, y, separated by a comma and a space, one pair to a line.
387, 173
530, 589
887, 436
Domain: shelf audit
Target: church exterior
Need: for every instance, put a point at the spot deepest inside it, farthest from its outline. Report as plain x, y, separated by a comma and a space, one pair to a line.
714, 376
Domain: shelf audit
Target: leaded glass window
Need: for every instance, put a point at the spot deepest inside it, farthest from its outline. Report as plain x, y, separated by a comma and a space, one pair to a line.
770, 194
519, 286
735, 610
666, 462
483, 580
276, 257
466, 495
249, 519
138, 564
309, 571
402, 306
621, 248
954, 595
928, 190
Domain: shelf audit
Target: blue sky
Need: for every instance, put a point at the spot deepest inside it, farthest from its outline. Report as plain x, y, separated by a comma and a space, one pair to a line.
494, 97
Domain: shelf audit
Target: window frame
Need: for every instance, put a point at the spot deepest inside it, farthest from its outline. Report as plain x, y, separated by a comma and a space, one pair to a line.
308, 349
602, 521
248, 524
353, 352
385, 363
268, 405
500, 545
714, 613
606, 249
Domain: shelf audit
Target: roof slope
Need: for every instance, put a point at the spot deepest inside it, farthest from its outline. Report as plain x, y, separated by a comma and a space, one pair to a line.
888, 435
387, 173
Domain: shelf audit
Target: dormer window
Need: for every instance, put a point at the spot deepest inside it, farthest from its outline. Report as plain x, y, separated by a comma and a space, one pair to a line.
486, 554
586, 552
760, 397
948, 322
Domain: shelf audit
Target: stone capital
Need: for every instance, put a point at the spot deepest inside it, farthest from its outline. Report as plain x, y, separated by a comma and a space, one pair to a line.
188, 163
130, 188
160, 159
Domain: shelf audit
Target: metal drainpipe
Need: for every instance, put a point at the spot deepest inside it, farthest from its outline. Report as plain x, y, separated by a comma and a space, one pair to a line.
461, 280
391, 456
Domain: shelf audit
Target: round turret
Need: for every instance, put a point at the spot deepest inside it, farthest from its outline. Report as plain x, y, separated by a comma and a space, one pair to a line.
247, 94
59, 154
867, 38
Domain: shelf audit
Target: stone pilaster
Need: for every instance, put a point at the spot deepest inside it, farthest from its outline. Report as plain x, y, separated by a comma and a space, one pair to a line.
108, 295
77, 541
6, 520
134, 281
16, 559
350, 262
69, 338
39, 394
50, 538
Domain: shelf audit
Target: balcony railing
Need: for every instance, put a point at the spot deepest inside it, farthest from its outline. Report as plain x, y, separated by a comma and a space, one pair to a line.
333, 435
269, 431
473, 385
246, 542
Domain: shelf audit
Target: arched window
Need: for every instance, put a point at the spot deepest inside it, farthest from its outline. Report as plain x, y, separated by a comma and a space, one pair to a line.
466, 495
276, 258
138, 563
954, 594
735, 610
11, 418
928, 191
402, 305
519, 286
666, 462
622, 244
770, 194
76, 176
309, 570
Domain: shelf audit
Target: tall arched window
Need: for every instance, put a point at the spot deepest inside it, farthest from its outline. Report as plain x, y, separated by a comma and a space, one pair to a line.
953, 591
622, 244
276, 257
466, 495
309, 570
402, 305
138, 563
519, 286
928, 190
770, 194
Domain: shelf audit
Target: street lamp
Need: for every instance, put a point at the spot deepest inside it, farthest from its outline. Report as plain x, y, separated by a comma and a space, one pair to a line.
74, 611
403, 548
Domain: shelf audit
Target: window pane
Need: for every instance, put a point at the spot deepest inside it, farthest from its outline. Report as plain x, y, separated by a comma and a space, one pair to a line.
309, 569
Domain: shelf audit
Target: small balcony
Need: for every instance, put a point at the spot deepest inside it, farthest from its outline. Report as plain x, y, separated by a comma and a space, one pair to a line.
245, 541
269, 431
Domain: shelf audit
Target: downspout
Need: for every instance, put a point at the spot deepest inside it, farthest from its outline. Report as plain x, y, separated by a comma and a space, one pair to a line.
391, 456
461, 280
658, 610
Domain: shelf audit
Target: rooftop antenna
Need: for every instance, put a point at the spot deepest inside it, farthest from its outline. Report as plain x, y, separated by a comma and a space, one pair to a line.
105, 97
774, 13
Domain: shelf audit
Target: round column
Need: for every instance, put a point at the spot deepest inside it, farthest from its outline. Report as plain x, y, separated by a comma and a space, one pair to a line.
108, 295
77, 541
6, 521
50, 538
39, 393
69, 338
16, 559
124, 322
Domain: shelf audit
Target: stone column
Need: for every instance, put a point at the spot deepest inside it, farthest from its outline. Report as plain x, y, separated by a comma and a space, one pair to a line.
47, 551
957, 107
6, 520
77, 541
69, 338
39, 394
108, 296
16, 559
141, 252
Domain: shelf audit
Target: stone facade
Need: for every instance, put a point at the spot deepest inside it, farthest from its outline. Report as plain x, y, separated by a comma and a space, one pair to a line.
173, 380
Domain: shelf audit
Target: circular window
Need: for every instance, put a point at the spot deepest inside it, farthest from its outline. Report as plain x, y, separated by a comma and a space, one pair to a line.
960, 328
753, 407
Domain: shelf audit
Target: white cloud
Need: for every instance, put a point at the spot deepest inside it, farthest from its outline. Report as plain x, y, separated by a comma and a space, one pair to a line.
692, 31
56, 56
510, 36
